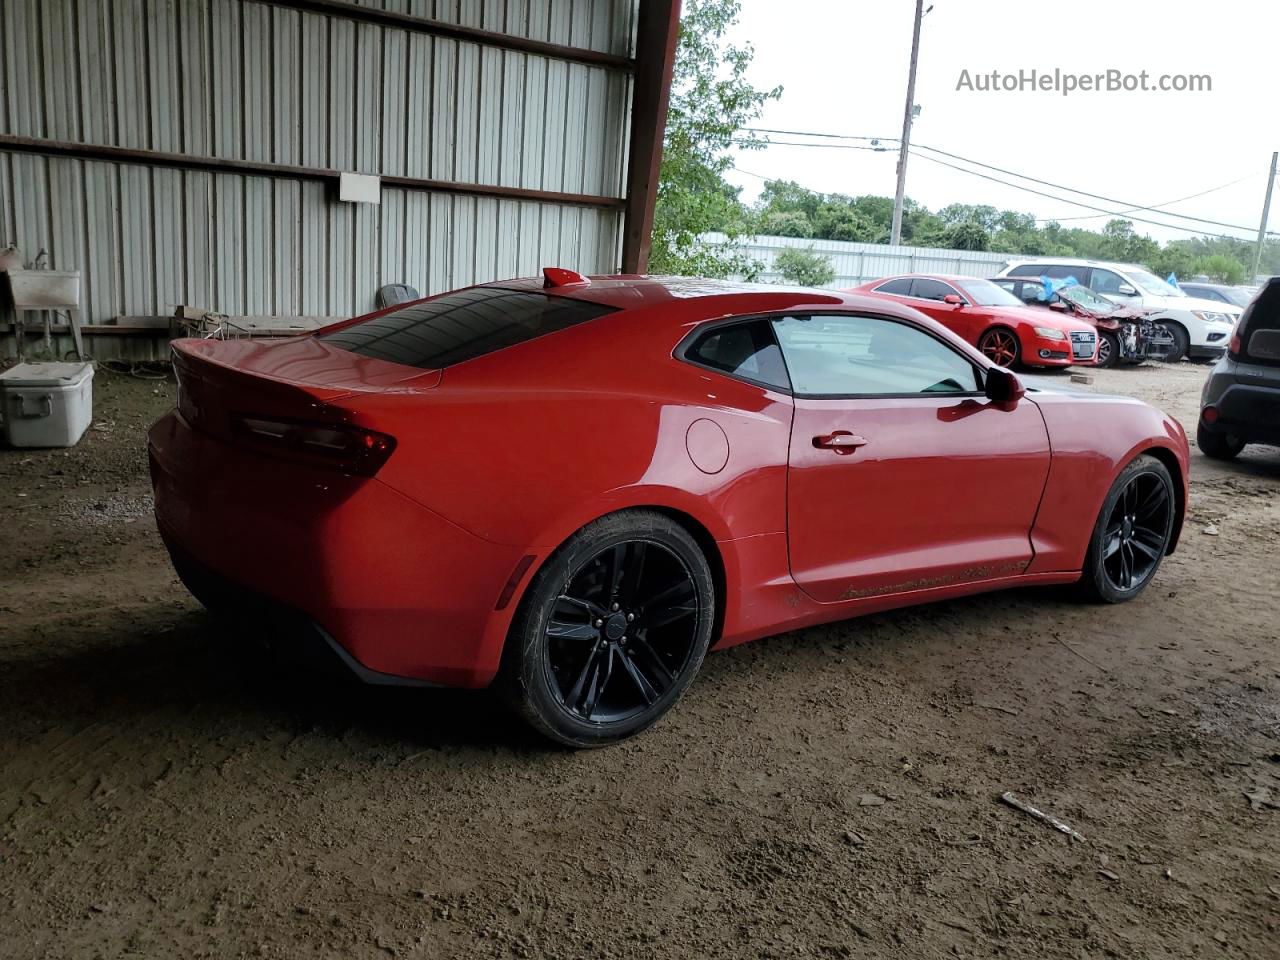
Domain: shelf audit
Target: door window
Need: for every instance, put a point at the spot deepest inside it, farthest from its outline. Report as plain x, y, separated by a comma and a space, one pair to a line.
1107, 282
845, 355
746, 351
927, 289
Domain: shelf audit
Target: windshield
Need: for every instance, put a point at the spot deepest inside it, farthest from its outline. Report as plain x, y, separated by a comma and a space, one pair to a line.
1084, 297
1235, 295
1152, 284
984, 293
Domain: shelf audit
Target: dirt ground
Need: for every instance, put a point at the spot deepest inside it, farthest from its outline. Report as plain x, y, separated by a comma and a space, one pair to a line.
827, 793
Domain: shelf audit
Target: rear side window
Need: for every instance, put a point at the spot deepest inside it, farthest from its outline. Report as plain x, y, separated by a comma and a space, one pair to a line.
462, 326
1026, 270
900, 287
1260, 327
746, 351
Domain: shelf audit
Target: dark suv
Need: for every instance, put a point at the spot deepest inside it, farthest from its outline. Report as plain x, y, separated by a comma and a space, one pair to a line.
1241, 399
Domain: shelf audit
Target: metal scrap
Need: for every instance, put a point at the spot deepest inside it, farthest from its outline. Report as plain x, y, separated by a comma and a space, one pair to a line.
1060, 826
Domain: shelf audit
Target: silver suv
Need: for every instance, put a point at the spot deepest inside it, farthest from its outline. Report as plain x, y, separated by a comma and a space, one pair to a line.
1241, 399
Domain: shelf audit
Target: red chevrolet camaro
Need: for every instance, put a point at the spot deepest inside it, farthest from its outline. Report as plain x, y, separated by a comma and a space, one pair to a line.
995, 321
576, 487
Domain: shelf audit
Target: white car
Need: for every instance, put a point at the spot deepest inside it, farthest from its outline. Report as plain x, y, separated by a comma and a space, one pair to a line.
1200, 328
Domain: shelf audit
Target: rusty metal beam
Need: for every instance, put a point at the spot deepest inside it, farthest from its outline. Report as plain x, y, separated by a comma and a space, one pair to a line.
405, 21
182, 161
657, 31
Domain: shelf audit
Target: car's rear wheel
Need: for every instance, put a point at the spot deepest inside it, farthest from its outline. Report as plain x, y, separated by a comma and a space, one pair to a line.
1108, 349
1219, 446
1001, 346
611, 630
1132, 533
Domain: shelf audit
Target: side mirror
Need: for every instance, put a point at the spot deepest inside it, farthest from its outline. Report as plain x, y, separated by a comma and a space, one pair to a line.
1127, 290
1059, 306
1003, 386
954, 299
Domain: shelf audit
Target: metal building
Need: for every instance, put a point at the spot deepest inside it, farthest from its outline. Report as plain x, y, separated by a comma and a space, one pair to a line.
189, 151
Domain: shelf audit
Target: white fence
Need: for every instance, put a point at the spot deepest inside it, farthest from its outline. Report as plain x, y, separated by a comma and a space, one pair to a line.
856, 263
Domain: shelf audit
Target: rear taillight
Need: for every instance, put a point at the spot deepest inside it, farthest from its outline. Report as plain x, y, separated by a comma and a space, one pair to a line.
334, 445
1236, 345
1209, 415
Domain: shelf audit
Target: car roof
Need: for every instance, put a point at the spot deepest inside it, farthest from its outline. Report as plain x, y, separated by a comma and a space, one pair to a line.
689, 301
1076, 262
944, 277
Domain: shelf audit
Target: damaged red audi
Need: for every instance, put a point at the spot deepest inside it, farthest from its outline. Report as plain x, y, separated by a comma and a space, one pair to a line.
573, 488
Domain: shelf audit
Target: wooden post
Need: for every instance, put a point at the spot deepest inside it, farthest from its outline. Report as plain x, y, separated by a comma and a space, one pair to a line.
657, 31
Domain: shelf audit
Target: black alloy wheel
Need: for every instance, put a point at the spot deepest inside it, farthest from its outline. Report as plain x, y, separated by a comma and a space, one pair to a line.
612, 630
1132, 533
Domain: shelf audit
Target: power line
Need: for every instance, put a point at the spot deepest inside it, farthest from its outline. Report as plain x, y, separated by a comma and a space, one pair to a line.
1132, 207
1083, 193
821, 146
1158, 206
1077, 203
830, 136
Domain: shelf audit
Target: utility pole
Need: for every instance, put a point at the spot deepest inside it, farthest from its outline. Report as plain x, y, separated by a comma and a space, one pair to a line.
1266, 214
895, 235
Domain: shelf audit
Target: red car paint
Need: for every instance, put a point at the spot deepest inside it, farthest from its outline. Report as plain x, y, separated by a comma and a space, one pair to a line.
418, 571
972, 322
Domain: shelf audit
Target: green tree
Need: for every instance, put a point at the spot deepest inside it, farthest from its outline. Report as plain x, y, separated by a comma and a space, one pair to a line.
786, 223
1221, 268
710, 100
805, 268
837, 221
968, 235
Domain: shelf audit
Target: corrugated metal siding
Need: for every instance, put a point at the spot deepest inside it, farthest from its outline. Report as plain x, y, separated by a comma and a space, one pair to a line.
856, 263
604, 27
236, 79
239, 80
150, 238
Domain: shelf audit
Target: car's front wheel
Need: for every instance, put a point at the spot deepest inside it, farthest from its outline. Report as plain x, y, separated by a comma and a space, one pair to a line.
611, 630
1132, 532
1181, 342
1001, 346
1108, 349
1219, 446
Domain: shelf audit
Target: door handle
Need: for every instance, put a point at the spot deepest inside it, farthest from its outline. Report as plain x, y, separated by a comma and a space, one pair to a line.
841, 441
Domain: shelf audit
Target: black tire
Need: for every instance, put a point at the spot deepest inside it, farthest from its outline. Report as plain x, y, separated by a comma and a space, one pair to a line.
1002, 347
1218, 446
1132, 531
1108, 349
1181, 342
631, 598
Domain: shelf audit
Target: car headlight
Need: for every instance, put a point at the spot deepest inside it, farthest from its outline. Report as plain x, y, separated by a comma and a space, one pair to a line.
1208, 316
1050, 334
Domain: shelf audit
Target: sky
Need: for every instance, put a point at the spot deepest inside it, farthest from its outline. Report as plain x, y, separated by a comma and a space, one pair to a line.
843, 68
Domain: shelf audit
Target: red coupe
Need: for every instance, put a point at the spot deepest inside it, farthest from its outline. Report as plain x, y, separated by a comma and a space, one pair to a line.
993, 320
576, 487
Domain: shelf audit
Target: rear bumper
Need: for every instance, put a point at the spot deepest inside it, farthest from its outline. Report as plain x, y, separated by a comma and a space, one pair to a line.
1248, 411
400, 590
1210, 352
288, 634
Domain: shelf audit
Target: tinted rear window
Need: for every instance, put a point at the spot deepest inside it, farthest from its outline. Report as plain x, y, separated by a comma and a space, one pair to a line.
461, 326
